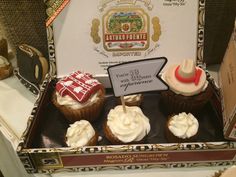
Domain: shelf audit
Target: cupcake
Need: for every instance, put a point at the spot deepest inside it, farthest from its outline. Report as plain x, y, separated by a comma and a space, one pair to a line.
81, 133
182, 128
79, 96
5, 68
188, 90
131, 126
132, 100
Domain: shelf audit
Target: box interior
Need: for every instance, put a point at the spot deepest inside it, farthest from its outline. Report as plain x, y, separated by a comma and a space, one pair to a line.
50, 126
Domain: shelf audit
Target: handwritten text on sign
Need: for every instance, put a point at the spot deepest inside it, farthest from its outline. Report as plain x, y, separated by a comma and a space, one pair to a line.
137, 76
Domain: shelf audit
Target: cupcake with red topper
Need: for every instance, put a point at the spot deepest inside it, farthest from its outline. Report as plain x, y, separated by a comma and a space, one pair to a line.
189, 89
79, 96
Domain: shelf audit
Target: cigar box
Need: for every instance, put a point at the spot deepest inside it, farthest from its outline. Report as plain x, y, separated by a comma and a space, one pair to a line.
91, 37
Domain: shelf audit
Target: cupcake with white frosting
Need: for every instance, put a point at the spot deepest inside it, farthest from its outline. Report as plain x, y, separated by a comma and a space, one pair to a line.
189, 89
132, 100
182, 127
81, 133
131, 126
6, 68
79, 96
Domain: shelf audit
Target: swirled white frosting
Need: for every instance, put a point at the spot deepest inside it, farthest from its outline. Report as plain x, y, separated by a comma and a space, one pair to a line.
70, 102
132, 98
79, 133
130, 126
183, 125
3, 62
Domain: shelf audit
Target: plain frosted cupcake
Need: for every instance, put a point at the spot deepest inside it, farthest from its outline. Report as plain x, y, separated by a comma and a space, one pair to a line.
182, 128
188, 90
6, 68
81, 133
127, 127
132, 100
79, 96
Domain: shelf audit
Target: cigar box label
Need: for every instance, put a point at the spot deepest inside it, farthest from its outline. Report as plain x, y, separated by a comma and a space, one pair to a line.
125, 28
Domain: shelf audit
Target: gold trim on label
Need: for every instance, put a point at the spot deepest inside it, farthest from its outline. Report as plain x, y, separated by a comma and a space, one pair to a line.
94, 31
156, 28
120, 37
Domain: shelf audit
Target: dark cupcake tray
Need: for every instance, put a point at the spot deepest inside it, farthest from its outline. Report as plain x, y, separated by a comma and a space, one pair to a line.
43, 148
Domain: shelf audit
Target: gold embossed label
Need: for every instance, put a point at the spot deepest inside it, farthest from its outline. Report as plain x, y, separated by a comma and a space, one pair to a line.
126, 28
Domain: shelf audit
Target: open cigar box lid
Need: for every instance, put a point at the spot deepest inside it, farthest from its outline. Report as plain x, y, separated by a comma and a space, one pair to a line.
92, 36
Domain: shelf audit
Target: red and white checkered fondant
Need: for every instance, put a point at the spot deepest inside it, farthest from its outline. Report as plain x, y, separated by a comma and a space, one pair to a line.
79, 86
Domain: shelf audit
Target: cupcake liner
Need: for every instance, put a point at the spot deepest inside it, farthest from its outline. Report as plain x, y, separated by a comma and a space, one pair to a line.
176, 103
114, 140
93, 141
110, 136
90, 112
